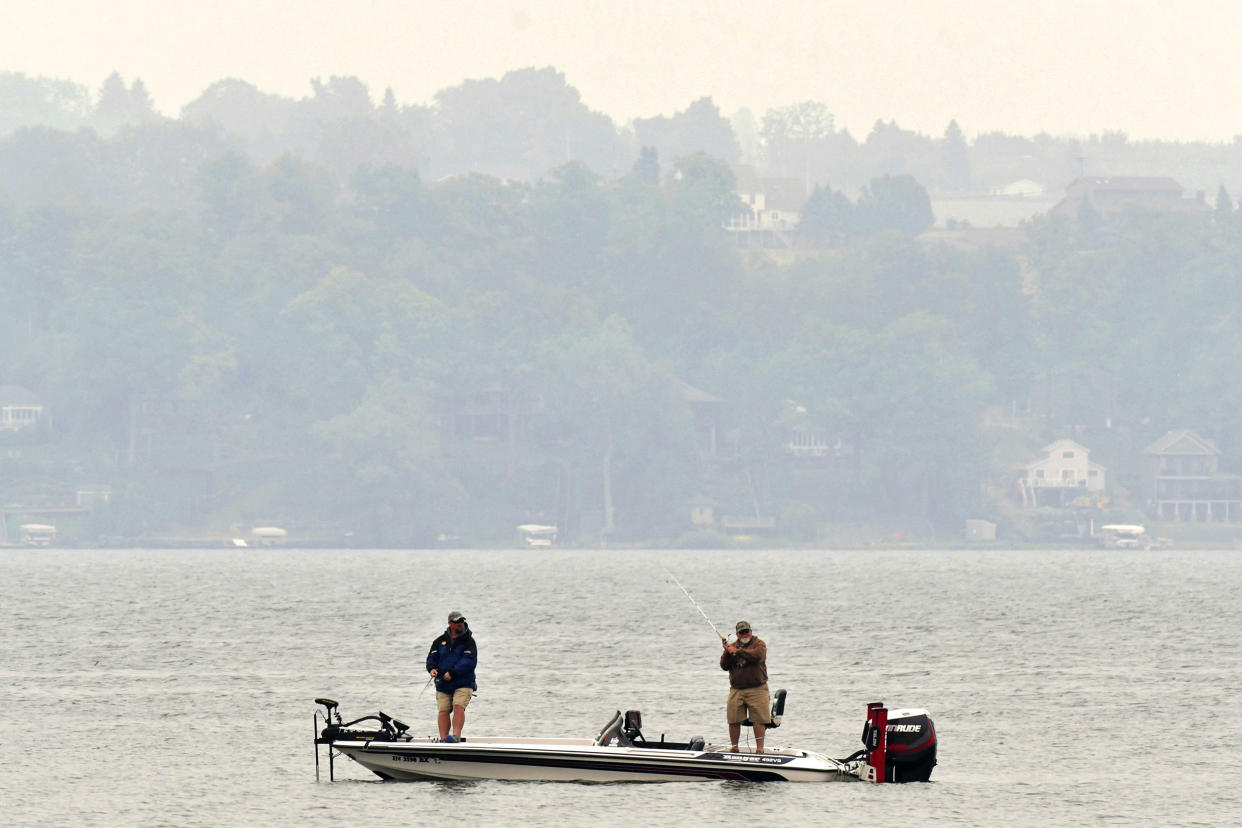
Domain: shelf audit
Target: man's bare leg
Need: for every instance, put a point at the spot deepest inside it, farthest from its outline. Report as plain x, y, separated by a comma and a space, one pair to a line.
459, 719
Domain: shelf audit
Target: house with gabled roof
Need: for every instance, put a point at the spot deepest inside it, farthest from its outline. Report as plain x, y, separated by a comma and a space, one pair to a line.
20, 408
1111, 195
706, 408
1064, 474
773, 209
1184, 482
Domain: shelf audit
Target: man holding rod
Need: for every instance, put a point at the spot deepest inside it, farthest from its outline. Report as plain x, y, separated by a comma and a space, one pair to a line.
746, 661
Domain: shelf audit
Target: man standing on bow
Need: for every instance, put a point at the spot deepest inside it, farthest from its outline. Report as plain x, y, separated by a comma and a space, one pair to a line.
451, 661
746, 661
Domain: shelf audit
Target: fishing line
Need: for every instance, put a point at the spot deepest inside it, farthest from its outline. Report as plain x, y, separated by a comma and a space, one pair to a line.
696, 604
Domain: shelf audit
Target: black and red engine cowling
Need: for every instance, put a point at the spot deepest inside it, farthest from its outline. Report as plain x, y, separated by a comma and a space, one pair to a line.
910, 749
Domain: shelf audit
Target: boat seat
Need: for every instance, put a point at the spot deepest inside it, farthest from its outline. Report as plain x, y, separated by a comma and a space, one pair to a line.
633, 730
696, 743
614, 729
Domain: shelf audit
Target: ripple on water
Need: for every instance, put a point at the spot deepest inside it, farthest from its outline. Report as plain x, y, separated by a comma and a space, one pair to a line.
150, 687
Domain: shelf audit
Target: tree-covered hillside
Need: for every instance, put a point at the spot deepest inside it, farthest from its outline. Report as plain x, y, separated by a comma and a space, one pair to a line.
364, 340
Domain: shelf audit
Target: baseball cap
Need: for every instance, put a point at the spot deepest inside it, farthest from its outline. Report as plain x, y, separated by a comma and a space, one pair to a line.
743, 626
456, 616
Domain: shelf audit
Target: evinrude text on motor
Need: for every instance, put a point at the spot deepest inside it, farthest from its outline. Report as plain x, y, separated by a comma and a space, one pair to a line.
897, 749
898, 746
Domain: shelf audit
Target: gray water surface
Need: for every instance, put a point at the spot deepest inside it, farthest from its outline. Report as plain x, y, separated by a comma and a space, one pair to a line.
160, 687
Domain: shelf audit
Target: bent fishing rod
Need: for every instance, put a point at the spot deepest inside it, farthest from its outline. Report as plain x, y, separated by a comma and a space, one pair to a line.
696, 604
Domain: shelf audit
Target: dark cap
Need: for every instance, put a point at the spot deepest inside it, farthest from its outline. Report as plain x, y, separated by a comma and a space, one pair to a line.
456, 616
743, 626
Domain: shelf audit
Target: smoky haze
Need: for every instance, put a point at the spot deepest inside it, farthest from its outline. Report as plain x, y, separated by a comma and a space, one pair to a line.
365, 321
1058, 66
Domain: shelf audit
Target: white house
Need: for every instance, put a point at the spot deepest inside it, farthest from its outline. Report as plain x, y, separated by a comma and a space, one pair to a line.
774, 208
1064, 474
19, 408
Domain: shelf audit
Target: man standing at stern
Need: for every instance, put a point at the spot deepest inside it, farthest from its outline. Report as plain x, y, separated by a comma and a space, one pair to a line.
746, 661
451, 661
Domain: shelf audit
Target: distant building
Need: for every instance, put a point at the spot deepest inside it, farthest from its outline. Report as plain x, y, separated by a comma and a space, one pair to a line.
1022, 188
1063, 475
706, 409
980, 530
1115, 195
702, 512
803, 437
1184, 482
20, 408
775, 208
1005, 207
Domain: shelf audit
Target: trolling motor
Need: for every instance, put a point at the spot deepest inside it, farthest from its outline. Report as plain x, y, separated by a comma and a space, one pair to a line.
389, 730
900, 747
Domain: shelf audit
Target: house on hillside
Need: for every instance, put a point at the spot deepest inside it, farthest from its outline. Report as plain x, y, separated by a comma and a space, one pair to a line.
494, 413
706, 408
1064, 474
1114, 195
803, 437
1004, 207
774, 210
1184, 483
20, 408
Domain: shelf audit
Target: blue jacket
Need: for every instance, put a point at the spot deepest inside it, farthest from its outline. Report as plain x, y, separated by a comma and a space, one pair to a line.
455, 656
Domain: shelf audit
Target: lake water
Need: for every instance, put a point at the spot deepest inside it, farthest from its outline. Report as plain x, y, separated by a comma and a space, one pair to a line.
161, 687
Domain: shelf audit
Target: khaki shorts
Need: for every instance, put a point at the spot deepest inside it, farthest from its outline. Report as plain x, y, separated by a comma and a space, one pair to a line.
754, 699
460, 698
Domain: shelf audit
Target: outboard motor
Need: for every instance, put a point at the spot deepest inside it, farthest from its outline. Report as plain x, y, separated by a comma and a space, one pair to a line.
899, 747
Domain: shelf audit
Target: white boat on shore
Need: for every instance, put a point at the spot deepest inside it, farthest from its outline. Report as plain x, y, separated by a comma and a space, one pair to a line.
537, 535
37, 534
1123, 536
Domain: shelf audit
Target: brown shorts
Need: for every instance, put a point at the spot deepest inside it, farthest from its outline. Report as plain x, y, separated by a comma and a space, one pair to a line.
753, 699
460, 698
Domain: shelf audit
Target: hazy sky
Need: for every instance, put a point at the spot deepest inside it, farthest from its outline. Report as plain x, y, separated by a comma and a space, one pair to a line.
1149, 68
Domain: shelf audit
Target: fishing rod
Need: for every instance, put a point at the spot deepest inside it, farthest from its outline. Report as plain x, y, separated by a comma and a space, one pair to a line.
696, 605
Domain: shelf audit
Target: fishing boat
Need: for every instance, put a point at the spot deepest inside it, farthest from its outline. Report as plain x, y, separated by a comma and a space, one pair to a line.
899, 746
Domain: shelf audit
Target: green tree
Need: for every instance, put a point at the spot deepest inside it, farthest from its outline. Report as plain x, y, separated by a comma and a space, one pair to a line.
618, 417
794, 135
45, 102
955, 155
896, 202
325, 338
700, 128
240, 109
130, 287
378, 471
829, 218
919, 411
120, 106
1224, 205
571, 223
519, 127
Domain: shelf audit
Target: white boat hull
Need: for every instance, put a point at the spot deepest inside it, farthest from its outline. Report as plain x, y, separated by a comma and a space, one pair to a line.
569, 760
